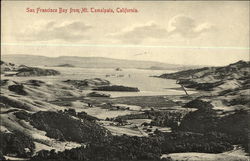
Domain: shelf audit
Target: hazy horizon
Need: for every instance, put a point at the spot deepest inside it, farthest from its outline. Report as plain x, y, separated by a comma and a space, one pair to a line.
118, 59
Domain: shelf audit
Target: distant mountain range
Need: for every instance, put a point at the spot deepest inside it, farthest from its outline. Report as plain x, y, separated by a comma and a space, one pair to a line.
90, 62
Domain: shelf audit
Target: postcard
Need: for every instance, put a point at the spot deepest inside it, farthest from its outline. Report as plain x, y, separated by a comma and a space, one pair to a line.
125, 80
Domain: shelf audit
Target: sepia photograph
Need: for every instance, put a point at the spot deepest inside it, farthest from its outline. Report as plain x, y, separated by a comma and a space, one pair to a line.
125, 80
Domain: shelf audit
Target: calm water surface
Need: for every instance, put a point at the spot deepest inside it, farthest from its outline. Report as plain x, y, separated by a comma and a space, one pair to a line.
139, 78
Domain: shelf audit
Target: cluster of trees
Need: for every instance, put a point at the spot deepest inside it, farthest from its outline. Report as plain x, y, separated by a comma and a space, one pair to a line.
80, 115
121, 148
117, 148
213, 142
169, 118
235, 127
1, 156
16, 144
63, 127
199, 131
238, 126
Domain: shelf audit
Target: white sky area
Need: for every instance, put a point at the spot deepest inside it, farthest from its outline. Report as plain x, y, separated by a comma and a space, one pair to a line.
186, 32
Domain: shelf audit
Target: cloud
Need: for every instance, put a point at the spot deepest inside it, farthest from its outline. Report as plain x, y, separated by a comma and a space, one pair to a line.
138, 33
187, 27
184, 26
52, 30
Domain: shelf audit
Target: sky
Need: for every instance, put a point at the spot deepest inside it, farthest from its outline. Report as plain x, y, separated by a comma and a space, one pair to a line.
186, 32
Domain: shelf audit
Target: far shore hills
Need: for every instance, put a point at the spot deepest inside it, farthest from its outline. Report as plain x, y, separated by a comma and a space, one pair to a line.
91, 62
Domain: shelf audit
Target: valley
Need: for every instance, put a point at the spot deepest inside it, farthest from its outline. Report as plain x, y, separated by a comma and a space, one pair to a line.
73, 113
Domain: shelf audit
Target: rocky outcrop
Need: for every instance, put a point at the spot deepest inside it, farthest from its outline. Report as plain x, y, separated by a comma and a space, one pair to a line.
117, 88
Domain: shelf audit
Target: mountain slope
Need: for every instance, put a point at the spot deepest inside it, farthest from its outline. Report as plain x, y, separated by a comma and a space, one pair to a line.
10, 69
234, 75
